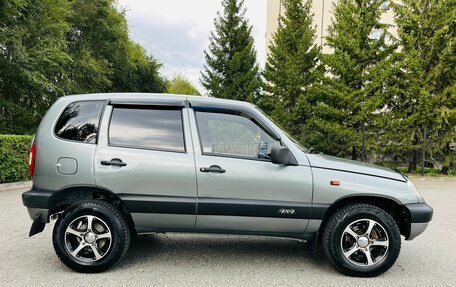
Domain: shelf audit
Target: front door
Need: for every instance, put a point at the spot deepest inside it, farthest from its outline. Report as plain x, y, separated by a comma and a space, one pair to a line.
145, 156
239, 189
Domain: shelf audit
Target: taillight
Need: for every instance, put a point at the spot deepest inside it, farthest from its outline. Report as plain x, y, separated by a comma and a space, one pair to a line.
32, 158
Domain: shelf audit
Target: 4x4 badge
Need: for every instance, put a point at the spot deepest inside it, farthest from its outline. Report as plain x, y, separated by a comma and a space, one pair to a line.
287, 211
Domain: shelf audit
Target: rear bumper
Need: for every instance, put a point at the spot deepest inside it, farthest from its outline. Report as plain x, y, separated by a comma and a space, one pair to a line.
419, 215
37, 203
37, 198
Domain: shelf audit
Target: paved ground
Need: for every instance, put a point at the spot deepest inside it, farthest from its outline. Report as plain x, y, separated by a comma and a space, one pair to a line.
202, 260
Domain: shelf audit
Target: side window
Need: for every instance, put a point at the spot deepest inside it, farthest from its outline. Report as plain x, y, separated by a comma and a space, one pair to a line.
79, 122
148, 128
236, 135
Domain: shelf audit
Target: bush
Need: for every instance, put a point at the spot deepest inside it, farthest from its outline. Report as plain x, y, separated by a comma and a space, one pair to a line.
14, 156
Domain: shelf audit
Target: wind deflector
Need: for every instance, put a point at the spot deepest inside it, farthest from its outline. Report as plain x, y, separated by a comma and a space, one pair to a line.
236, 110
152, 102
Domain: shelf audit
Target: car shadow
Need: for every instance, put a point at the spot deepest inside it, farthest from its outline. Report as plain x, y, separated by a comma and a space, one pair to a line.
223, 250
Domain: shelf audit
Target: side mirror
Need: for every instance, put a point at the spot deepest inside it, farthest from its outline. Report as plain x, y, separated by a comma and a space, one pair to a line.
282, 155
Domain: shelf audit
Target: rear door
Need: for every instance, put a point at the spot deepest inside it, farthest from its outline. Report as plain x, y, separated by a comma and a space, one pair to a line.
145, 156
239, 188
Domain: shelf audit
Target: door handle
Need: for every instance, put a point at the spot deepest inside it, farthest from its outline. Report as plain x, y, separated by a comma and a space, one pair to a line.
114, 162
213, 168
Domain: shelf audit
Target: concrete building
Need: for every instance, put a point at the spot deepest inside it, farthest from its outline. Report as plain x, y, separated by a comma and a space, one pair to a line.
322, 10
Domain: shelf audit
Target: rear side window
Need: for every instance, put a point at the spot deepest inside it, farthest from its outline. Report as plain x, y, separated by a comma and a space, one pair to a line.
79, 122
148, 128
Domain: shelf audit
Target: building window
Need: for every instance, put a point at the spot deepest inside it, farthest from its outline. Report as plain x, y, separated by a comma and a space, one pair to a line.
385, 5
376, 34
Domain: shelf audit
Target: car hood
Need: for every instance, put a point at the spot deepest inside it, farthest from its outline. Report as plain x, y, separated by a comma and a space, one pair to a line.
345, 165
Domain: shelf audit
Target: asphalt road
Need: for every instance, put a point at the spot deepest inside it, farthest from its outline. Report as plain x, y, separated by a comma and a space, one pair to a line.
214, 260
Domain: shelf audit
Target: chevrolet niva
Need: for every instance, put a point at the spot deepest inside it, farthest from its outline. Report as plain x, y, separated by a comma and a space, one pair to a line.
107, 166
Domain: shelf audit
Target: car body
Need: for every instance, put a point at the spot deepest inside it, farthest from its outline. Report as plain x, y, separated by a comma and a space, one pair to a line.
170, 163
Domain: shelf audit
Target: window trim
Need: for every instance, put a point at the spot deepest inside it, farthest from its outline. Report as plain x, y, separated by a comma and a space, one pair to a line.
236, 113
106, 102
147, 107
100, 115
234, 156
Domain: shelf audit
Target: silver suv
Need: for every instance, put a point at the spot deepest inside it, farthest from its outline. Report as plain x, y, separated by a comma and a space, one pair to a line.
110, 165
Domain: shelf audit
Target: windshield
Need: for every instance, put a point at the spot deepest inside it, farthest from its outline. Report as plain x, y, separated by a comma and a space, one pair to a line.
295, 141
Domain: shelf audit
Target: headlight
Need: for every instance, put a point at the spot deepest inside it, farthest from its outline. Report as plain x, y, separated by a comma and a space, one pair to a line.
412, 188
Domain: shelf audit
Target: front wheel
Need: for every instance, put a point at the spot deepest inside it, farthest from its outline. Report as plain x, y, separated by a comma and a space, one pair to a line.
362, 240
91, 236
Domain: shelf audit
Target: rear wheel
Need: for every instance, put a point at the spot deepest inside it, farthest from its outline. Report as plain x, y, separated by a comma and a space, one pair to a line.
362, 240
91, 236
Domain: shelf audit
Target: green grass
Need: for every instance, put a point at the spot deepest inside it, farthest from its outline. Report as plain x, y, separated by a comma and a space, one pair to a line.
428, 171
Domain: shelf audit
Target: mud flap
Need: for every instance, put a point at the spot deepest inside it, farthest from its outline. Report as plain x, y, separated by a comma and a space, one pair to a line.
312, 245
37, 226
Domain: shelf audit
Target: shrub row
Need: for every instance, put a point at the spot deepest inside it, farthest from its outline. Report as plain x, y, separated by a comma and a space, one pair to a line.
14, 156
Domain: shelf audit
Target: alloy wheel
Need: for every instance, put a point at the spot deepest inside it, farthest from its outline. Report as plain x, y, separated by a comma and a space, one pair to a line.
88, 238
364, 242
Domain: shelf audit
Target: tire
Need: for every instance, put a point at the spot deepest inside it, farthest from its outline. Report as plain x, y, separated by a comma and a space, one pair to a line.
96, 246
349, 254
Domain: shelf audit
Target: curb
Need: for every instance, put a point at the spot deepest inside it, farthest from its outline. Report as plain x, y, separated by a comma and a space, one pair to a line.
15, 185
432, 178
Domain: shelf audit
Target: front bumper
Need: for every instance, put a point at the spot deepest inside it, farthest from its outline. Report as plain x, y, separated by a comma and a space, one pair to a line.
37, 203
419, 215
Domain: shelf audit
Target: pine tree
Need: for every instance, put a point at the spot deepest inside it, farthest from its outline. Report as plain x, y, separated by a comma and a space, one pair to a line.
352, 93
292, 67
424, 88
231, 71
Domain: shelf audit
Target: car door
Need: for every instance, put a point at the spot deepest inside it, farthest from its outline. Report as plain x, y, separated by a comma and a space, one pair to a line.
239, 189
145, 156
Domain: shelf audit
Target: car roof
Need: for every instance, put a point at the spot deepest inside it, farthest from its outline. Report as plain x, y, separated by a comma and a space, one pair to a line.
142, 97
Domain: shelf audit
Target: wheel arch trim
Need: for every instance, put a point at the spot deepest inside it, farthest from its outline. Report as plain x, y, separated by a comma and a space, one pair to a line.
57, 201
389, 204
75, 193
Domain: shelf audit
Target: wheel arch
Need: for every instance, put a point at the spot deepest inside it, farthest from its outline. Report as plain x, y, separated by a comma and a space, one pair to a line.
65, 197
391, 206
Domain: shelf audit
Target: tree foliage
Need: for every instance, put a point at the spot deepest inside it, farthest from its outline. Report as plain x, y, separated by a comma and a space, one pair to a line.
352, 93
180, 85
231, 71
33, 58
14, 158
50, 48
105, 58
378, 90
422, 90
293, 67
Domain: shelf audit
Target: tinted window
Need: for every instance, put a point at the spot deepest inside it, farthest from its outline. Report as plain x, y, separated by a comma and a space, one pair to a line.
147, 128
79, 122
236, 135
